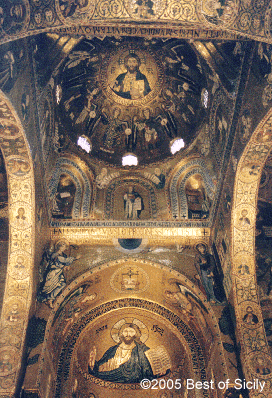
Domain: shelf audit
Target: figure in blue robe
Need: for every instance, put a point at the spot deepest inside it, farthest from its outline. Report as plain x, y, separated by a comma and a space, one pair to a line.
132, 371
54, 279
205, 266
125, 362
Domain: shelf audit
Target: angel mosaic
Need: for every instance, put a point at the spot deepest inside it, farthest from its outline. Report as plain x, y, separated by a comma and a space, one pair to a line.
191, 307
115, 129
56, 262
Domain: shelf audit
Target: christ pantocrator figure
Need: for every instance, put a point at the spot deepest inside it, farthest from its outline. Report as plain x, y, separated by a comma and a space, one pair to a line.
132, 84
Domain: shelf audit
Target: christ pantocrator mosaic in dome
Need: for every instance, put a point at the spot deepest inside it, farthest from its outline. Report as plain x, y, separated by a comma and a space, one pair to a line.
130, 95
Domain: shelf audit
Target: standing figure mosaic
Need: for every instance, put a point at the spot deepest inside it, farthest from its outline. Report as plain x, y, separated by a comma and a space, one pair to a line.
205, 265
54, 280
133, 204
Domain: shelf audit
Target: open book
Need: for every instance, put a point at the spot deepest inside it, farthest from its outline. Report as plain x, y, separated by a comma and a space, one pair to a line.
159, 360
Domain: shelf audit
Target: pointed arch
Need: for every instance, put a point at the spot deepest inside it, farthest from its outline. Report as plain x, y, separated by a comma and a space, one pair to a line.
253, 341
20, 176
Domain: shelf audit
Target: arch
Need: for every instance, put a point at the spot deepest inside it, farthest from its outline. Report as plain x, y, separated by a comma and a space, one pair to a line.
53, 184
177, 195
84, 189
183, 209
20, 176
90, 22
195, 352
63, 353
76, 212
253, 341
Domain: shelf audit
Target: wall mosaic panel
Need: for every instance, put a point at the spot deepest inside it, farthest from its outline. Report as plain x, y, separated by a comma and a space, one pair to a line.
182, 189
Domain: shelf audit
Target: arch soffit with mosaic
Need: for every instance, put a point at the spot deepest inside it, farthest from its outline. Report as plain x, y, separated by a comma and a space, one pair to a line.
245, 293
21, 188
239, 20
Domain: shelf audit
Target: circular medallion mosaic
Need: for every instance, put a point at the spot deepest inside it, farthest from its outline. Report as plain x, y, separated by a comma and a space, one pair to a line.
222, 12
73, 11
129, 279
131, 76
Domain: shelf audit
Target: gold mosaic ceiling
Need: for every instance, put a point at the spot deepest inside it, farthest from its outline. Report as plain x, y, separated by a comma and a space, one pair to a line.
131, 95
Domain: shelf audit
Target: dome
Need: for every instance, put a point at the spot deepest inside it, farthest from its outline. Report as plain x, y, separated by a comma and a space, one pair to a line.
131, 95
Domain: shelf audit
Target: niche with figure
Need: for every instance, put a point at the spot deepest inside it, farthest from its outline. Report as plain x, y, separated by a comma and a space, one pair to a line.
131, 200
198, 201
64, 198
